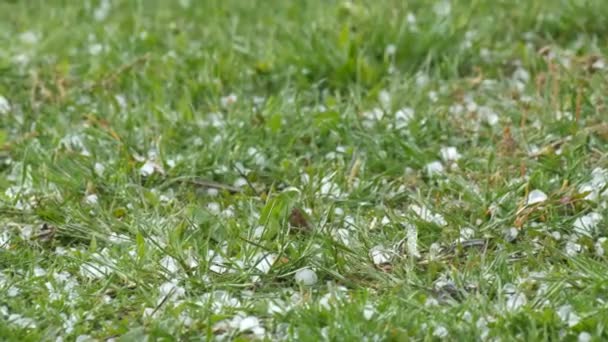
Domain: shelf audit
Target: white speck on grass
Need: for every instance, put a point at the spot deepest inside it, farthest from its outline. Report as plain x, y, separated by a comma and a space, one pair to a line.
99, 169
411, 243
170, 290
567, 314
449, 154
600, 64
434, 168
228, 100
488, 116
29, 37
440, 331
536, 196
390, 50
411, 19
572, 248
101, 12
516, 301
375, 114
240, 182
169, 265
216, 262
264, 262
511, 234
214, 207
368, 311
599, 246
403, 117
584, 336
380, 255
91, 199
426, 215
5, 106
442, 8
384, 97
150, 167
587, 224
94, 270
306, 277
258, 157
20, 321
433, 96
249, 323
95, 49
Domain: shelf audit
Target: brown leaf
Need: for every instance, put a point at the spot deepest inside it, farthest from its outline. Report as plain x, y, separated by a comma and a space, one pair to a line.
298, 219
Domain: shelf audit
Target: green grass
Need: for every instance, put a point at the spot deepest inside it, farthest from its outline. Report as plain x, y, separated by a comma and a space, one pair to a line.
152, 155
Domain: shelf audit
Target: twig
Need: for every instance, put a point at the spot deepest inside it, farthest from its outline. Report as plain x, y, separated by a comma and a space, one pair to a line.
208, 184
106, 80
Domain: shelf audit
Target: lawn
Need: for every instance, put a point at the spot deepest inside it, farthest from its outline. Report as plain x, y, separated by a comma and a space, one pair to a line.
303, 170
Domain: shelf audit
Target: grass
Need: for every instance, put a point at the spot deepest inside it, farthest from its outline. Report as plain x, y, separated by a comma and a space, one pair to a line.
168, 169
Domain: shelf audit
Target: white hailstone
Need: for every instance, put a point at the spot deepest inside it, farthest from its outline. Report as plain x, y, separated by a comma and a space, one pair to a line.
29, 37
380, 255
410, 18
584, 337
94, 270
91, 199
521, 74
390, 49
449, 154
572, 248
368, 311
536, 196
433, 96
375, 114
426, 215
306, 277
440, 331
442, 8
511, 234
403, 117
567, 314
240, 182
148, 168
95, 49
384, 97
169, 264
466, 233
228, 100
171, 289
488, 115
264, 262
586, 225
411, 242
5, 106
599, 246
434, 168
516, 301
600, 64
216, 262
248, 323
214, 207
99, 169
